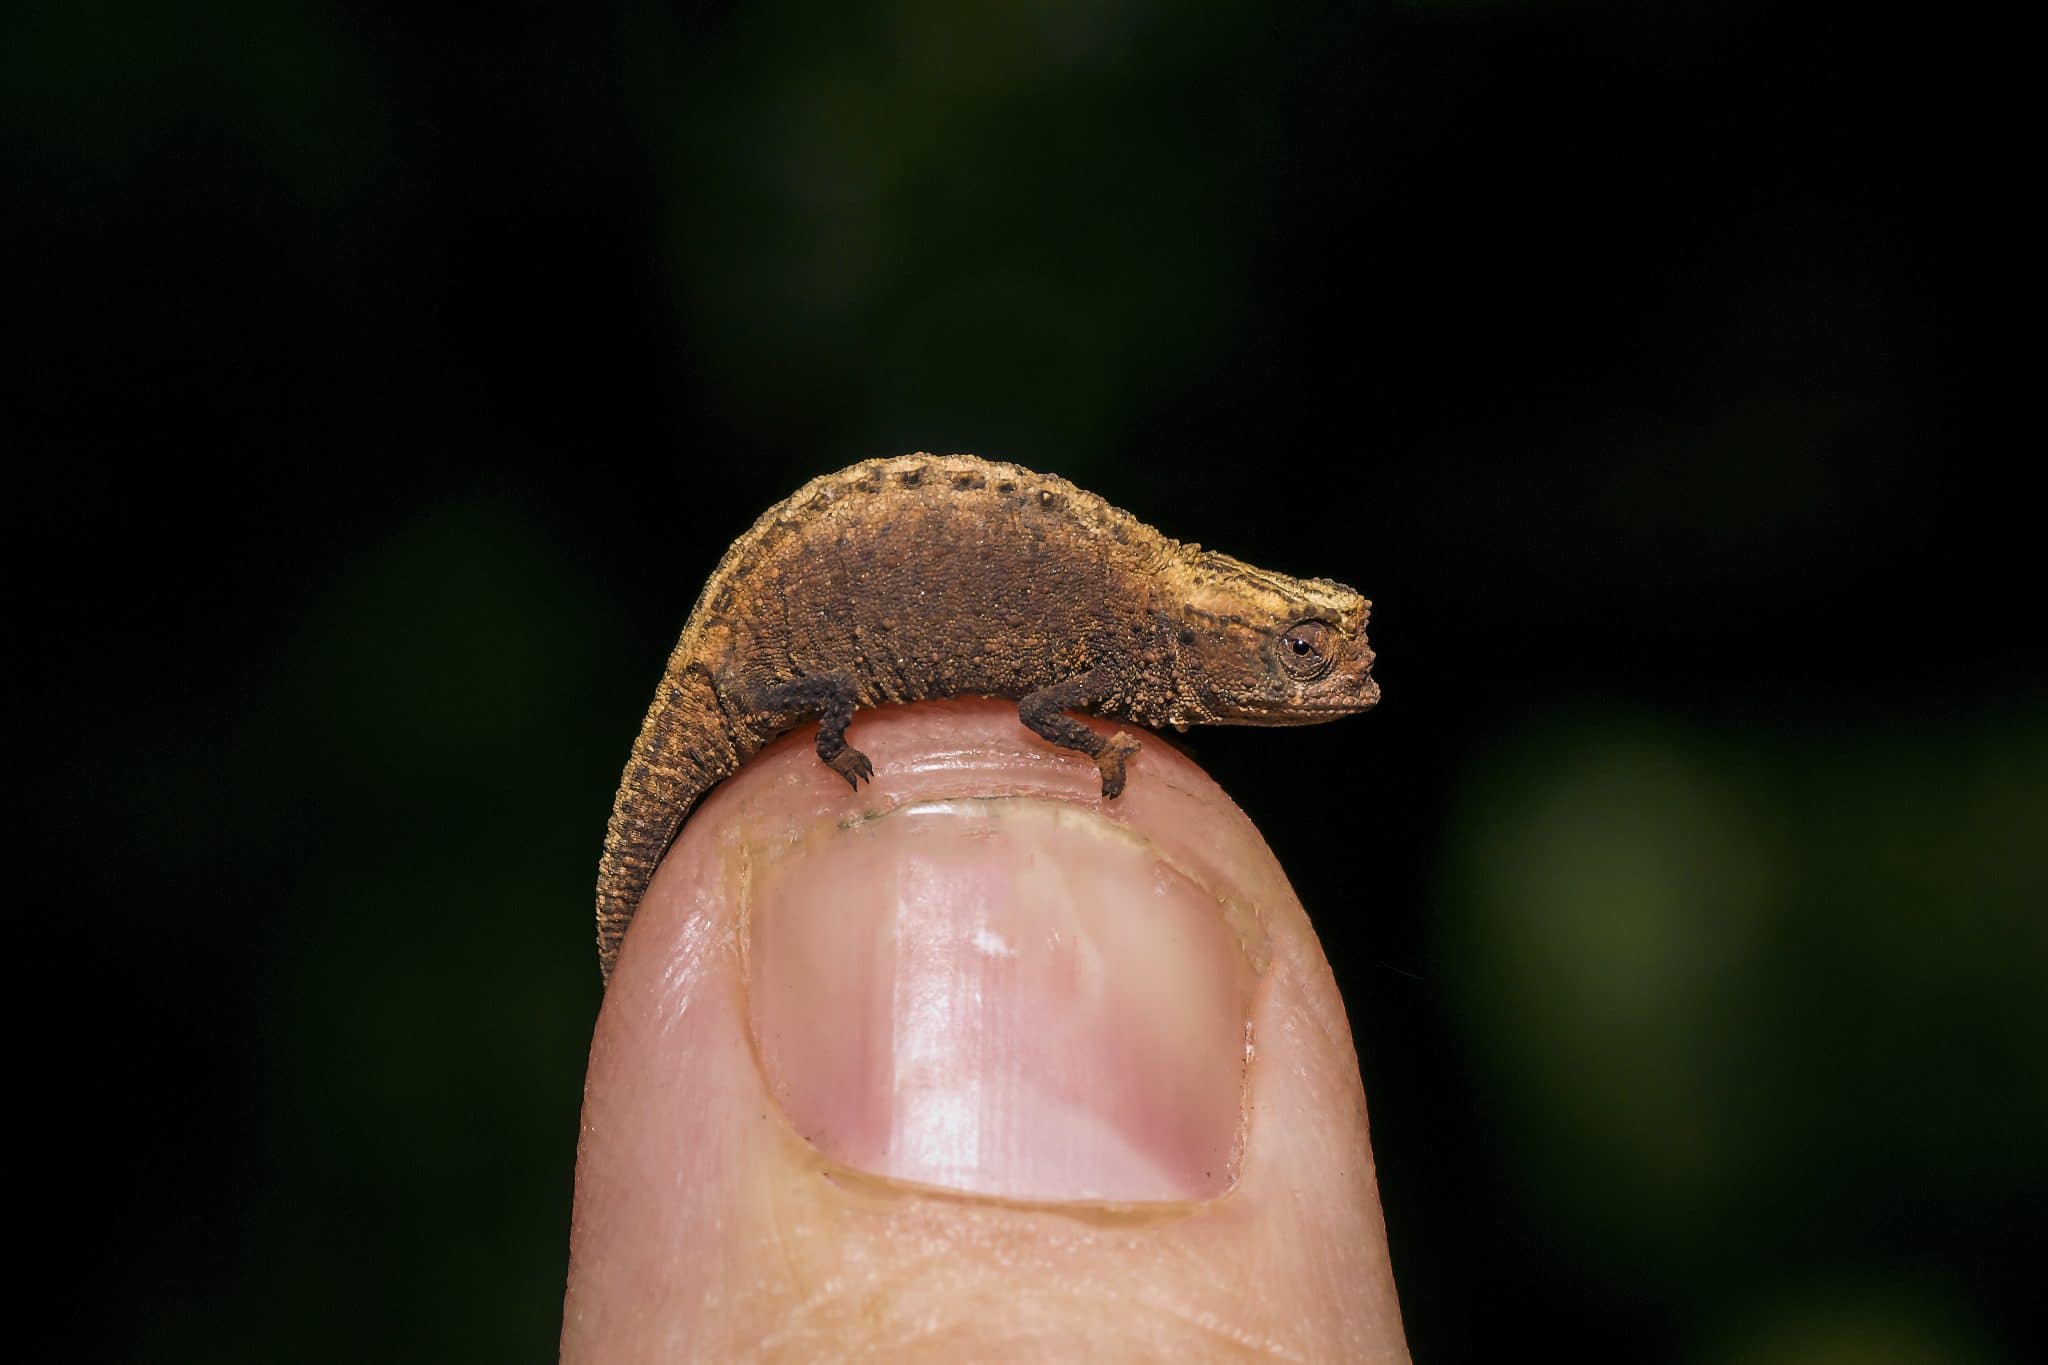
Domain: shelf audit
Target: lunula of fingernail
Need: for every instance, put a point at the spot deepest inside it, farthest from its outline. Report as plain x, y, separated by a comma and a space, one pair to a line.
1015, 997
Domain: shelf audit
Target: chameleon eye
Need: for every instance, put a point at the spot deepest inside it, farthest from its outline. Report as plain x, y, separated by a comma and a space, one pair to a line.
1303, 650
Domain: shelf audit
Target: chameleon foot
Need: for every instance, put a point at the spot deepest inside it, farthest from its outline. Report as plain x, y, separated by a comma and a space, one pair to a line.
851, 764
1110, 763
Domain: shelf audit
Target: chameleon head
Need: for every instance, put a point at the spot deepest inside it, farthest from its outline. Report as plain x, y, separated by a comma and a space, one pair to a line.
1260, 648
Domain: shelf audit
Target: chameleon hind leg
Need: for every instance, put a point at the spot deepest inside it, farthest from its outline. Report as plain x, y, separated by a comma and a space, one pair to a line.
1045, 712
831, 699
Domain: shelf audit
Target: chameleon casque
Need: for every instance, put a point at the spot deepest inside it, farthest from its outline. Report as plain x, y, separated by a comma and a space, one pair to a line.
932, 576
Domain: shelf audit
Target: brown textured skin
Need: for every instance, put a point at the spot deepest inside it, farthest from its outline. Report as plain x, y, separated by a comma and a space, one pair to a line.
946, 575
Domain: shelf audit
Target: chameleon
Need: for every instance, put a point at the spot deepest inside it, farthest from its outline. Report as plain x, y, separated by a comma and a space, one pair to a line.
924, 576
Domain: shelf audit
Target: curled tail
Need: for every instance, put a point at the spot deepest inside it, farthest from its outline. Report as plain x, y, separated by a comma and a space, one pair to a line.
684, 747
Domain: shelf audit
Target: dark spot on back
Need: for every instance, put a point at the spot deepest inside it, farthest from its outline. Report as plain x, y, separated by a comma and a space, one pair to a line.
1187, 637
1046, 497
1006, 486
911, 478
963, 482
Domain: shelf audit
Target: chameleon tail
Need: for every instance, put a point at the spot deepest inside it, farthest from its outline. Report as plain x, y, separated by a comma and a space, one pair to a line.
684, 747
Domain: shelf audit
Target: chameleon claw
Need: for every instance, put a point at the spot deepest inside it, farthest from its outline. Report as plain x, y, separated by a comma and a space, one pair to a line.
853, 765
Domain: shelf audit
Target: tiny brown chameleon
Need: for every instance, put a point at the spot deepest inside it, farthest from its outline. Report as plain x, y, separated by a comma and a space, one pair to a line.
946, 575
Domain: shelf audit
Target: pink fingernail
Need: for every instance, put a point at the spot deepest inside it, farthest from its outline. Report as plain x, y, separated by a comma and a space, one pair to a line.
1014, 997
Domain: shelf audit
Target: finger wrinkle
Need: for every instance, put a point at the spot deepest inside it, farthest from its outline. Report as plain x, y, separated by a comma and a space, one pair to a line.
684, 970
856, 1301
1245, 1345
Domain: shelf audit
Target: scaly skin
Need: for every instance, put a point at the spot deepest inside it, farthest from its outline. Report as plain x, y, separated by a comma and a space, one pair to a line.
946, 575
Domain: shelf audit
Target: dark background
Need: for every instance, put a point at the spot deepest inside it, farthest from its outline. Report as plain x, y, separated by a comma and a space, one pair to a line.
397, 376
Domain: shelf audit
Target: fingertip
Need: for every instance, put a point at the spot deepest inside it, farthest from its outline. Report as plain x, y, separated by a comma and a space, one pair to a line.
1083, 1052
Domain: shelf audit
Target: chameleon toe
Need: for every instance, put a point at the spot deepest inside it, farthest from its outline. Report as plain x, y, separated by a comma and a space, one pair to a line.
1110, 763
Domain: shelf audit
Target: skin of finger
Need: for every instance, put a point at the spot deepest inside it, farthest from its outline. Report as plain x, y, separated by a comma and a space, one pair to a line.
705, 1228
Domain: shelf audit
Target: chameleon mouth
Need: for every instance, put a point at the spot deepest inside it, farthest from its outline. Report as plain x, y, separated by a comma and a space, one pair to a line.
1340, 696
1261, 711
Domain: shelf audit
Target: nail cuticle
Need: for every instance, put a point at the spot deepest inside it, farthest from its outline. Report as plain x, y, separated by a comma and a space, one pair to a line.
854, 1181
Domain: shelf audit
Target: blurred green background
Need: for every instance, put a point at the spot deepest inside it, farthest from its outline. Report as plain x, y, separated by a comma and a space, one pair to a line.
398, 374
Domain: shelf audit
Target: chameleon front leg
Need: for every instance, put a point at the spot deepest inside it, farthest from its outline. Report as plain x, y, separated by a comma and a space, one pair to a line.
1045, 712
831, 699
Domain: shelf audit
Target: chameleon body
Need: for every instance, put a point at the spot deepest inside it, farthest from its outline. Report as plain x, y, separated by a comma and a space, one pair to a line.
946, 575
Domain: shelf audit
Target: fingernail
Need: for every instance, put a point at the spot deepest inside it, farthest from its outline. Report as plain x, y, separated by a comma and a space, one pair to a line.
1016, 997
